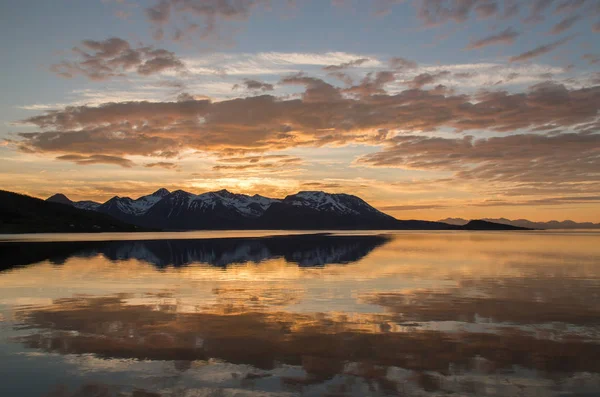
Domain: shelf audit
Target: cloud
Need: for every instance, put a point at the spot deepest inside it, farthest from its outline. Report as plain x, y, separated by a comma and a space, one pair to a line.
255, 85
537, 7
274, 163
591, 58
507, 36
317, 90
162, 164
511, 8
372, 84
201, 77
398, 63
160, 12
322, 185
323, 115
413, 207
427, 78
438, 12
565, 24
477, 75
486, 9
538, 51
114, 57
536, 202
210, 12
345, 65
182, 33
569, 157
253, 64
569, 6
343, 77
336, 71
258, 159
97, 159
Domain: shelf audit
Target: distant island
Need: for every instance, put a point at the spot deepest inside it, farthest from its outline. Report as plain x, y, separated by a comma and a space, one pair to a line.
567, 224
220, 210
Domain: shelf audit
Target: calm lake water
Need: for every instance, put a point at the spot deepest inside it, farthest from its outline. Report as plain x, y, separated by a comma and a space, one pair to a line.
235, 314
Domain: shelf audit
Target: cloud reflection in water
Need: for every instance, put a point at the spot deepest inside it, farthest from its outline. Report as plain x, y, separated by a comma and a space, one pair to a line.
412, 314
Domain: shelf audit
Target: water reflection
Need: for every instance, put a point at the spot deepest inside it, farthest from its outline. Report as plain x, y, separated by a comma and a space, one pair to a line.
304, 250
506, 300
322, 346
413, 315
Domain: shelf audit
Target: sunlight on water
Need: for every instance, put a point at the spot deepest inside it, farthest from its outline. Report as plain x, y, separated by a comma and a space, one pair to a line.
415, 314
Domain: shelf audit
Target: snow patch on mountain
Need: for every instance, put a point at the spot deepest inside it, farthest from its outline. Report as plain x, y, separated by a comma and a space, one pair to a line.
321, 201
250, 206
162, 192
86, 205
139, 206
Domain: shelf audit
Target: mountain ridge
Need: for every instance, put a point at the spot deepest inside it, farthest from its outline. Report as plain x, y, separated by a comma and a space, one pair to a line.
20, 213
222, 209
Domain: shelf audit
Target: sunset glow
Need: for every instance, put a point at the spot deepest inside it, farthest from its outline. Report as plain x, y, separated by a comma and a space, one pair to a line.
426, 109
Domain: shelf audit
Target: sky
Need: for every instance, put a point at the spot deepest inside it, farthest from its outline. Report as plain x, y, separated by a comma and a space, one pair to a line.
426, 109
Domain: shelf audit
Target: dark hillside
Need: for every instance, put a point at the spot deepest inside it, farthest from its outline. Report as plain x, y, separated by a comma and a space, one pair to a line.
24, 214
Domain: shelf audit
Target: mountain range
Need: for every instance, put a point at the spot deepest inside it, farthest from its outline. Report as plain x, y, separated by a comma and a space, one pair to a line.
528, 224
180, 210
220, 210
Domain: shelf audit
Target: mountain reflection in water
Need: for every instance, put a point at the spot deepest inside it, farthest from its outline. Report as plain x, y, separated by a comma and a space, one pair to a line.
304, 250
470, 314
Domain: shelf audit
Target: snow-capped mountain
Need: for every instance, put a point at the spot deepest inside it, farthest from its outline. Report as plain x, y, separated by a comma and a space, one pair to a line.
244, 205
181, 210
212, 210
86, 205
320, 210
338, 203
130, 210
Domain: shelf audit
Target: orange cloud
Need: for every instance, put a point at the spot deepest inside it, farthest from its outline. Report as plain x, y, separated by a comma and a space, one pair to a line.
97, 159
273, 163
162, 164
530, 158
327, 115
